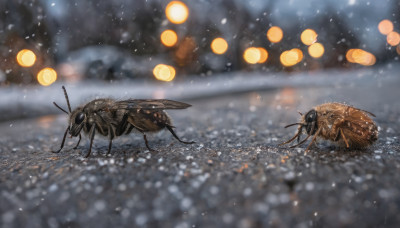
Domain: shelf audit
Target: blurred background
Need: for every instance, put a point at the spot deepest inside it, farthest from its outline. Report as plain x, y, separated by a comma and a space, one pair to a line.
43, 42
246, 66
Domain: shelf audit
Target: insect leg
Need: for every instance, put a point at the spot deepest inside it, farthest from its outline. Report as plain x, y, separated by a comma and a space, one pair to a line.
80, 137
304, 140
63, 141
173, 133
298, 137
344, 137
290, 140
112, 133
313, 139
91, 135
109, 147
146, 142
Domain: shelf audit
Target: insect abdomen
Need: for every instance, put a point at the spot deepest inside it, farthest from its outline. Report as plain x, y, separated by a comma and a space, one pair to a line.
148, 121
360, 135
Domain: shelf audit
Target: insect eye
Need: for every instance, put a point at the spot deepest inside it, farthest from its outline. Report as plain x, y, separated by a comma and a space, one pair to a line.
79, 118
311, 116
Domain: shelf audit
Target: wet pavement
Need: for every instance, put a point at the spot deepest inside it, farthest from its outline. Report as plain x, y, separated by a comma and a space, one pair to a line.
234, 176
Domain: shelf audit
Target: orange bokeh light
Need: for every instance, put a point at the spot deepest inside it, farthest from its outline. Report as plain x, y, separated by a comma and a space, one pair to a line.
393, 38
308, 37
316, 50
177, 12
289, 58
299, 54
385, 27
47, 76
252, 55
361, 57
219, 46
164, 72
169, 38
263, 55
26, 58
275, 34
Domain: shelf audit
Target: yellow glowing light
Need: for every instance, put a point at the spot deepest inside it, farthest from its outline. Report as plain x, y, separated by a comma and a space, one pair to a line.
252, 55
393, 38
26, 58
291, 57
169, 38
349, 55
316, 50
308, 37
164, 72
299, 54
47, 76
219, 46
361, 57
385, 27
275, 34
263, 55
177, 12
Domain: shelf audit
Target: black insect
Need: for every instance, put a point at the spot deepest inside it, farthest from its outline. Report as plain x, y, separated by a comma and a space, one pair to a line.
114, 118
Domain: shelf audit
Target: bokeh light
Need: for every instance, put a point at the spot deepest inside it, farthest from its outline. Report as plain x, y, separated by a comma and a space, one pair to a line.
316, 50
164, 72
47, 76
291, 57
263, 55
299, 54
308, 37
275, 34
252, 55
26, 58
169, 38
177, 12
385, 27
219, 46
361, 57
393, 38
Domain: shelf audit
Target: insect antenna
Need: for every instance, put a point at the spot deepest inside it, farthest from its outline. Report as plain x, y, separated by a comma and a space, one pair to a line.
293, 124
66, 97
60, 108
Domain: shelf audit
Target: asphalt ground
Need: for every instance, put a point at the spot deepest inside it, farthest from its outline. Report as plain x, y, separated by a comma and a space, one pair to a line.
235, 175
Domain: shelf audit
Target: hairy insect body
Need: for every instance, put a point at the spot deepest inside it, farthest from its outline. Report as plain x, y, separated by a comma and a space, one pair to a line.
344, 125
358, 128
113, 118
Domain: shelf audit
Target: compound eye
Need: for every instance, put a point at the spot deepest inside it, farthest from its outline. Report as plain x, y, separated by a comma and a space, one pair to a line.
311, 116
79, 118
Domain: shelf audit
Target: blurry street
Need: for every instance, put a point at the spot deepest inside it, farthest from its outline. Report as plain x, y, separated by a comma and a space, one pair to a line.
234, 176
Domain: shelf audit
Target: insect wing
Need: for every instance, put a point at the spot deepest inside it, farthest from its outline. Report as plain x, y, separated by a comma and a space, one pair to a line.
150, 104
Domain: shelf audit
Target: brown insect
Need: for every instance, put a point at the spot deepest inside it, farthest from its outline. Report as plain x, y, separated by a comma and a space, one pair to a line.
114, 118
344, 125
